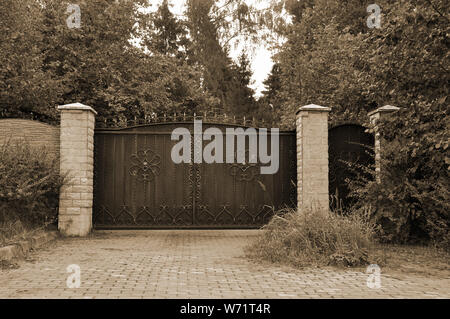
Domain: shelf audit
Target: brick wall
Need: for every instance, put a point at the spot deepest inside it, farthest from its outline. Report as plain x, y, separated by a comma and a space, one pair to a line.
37, 134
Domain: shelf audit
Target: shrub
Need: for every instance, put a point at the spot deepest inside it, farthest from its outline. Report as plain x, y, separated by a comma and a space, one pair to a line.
412, 202
315, 237
29, 187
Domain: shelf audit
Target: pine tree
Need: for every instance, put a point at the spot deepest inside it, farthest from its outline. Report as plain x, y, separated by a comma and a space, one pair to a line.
272, 84
225, 79
269, 104
243, 100
168, 35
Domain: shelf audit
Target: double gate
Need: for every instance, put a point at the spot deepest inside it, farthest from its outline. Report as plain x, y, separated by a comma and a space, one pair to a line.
138, 185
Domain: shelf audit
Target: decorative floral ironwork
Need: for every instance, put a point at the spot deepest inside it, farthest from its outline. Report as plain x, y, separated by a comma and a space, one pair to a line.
145, 165
244, 172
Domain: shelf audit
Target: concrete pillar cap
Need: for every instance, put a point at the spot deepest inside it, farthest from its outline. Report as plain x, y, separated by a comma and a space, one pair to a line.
314, 108
76, 106
384, 109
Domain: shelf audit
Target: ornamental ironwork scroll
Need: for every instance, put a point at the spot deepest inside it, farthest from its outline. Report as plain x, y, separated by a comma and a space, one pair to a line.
145, 165
246, 171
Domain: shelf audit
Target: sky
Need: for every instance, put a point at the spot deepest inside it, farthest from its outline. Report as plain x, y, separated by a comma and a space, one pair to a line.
260, 56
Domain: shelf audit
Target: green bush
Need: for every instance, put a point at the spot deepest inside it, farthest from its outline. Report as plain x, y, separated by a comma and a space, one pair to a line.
29, 187
316, 237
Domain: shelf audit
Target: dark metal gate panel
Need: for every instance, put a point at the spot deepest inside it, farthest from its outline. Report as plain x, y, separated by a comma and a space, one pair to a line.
238, 195
137, 185
136, 182
348, 143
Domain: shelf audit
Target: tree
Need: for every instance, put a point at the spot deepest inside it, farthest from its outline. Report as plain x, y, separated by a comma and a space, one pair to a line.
165, 38
26, 89
95, 57
333, 59
269, 104
99, 65
223, 78
272, 83
243, 102
321, 62
408, 61
166, 34
206, 51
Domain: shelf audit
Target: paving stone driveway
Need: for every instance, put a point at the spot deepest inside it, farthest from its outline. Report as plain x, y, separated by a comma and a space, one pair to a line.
189, 264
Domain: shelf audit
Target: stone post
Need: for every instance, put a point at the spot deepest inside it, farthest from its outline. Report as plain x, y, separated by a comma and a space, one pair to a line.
312, 157
374, 116
77, 162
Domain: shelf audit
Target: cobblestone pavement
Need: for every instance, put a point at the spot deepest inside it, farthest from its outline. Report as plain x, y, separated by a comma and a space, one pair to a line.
190, 264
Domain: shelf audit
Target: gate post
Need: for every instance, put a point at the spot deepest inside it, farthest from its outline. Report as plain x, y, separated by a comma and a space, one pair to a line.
77, 162
312, 157
374, 116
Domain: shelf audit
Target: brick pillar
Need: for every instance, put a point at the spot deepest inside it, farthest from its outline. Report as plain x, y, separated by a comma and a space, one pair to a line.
374, 116
77, 161
312, 157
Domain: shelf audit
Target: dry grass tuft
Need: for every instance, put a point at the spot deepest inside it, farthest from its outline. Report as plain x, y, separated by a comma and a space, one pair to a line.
316, 237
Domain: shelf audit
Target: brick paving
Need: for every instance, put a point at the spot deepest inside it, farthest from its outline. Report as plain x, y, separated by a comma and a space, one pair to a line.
190, 264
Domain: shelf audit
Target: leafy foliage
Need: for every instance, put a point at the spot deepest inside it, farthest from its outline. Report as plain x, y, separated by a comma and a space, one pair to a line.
29, 184
100, 65
332, 58
322, 61
412, 200
123, 61
25, 87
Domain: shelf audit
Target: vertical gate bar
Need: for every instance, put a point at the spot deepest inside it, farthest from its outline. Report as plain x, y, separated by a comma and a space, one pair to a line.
145, 184
104, 158
193, 179
118, 195
133, 187
124, 169
154, 193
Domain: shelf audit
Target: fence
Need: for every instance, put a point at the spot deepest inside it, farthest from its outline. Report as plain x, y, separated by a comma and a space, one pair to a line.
74, 142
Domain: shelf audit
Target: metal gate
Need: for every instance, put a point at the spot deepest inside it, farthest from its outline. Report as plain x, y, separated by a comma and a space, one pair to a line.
137, 185
348, 145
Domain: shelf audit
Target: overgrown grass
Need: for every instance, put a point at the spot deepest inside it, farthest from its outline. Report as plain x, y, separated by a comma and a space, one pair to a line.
15, 231
421, 260
315, 238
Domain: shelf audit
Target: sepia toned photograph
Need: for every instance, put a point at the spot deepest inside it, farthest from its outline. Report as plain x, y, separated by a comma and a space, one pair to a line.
224, 157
